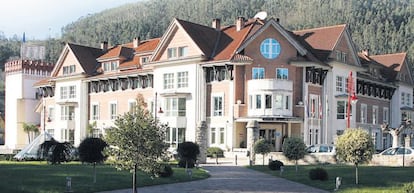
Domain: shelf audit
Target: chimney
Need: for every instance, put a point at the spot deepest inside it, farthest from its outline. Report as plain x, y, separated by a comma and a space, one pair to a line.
277, 20
365, 52
136, 42
239, 23
104, 46
216, 24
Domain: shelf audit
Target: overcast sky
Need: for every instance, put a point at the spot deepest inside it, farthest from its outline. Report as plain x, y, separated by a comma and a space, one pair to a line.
40, 19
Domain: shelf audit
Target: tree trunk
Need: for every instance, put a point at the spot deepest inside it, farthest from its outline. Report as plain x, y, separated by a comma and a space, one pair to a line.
296, 165
94, 172
263, 158
394, 139
134, 180
356, 173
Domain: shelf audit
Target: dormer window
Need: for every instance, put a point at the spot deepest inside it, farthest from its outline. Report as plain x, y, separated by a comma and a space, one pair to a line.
341, 56
144, 60
110, 66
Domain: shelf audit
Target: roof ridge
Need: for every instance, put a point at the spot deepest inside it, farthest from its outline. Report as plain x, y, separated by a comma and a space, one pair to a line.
321, 28
400, 53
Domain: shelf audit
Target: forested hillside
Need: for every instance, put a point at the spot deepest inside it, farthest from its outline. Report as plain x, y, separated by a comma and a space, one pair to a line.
383, 26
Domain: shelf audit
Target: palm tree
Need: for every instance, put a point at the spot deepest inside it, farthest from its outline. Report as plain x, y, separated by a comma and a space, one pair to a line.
30, 129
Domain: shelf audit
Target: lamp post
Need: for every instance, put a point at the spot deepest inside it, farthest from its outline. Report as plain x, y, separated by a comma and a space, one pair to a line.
352, 98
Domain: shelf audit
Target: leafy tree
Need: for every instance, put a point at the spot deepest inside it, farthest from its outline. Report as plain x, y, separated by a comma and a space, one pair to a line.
137, 142
294, 149
187, 152
262, 147
55, 152
91, 151
31, 130
355, 146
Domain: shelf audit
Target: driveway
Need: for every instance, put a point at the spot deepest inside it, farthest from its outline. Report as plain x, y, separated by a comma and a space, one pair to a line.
230, 179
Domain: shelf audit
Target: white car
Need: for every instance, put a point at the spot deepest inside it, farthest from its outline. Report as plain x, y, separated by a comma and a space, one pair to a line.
321, 148
407, 151
394, 156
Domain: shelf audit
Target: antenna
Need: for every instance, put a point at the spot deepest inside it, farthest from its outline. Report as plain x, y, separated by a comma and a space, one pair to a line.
261, 15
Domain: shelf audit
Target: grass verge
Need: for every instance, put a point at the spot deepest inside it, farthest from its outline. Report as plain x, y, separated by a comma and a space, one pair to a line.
372, 179
39, 177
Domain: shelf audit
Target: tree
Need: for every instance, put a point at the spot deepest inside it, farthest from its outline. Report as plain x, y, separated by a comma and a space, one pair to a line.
355, 146
31, 130
91, 151
262, 147
395, 132
294, 149
187, 152
137, 142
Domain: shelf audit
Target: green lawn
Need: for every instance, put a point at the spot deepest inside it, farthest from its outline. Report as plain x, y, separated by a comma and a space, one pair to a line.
19, 177
371, 178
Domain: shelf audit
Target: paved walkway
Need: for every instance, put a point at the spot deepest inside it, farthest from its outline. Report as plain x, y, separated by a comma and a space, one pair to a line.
230, 179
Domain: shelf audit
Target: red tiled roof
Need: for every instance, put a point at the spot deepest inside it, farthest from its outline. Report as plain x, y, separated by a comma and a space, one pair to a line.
117, 51
42, 82
148, 45
391, 60
324, 38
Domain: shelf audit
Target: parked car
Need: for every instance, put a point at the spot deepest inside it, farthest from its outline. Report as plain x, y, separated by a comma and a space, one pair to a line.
396, 151
394, 156
321, 148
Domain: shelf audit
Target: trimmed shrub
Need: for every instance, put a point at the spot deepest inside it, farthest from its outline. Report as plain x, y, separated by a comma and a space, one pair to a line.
408, 187
166, 171
187, 152
215, 151
318, 174
275, 165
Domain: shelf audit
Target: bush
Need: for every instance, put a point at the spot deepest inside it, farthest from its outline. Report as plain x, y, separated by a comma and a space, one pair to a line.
275, 165
408, 187
212, 151
166, 171
318, 174
191, 163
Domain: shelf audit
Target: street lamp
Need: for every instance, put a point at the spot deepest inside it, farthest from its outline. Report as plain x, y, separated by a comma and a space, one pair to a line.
352, 98
155, 107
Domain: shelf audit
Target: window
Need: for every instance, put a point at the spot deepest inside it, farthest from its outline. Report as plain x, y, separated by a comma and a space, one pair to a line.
268, 101
72, 92
132, 105
172, 53
385, 115
341, 56
363, 113
63, 92
95, 112
174, 136
258, 101
222, 135
258, 73
402, 98
182, 79
114, 65
144, 60
213, 136
217, 106
67, 112
270, 48
340, 84
279, 101
287, 102
250, 102
407, 99
51, 114
374, 114
282, 73
341, 109
175, 107
168, 80
69, 69
182, 51
113, 111
68, 135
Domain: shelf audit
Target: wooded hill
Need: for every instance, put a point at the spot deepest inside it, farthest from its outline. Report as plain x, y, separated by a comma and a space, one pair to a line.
383, 26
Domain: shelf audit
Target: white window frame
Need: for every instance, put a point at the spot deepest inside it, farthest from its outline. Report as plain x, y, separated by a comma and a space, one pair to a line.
402, 98
168, 80
374, 114
385, 115
172, 107
182, 51
51, 113
217, 108
282, 73
66, 113
172, 53
339, 84
364, 113
256, 73
95, 115
132, 105
213, 135
113, 113
182, 79
64, 92
72, 91
222, 136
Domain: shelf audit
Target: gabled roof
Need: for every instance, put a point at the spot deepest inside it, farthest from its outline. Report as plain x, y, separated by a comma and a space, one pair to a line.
147, 45
85, 55
391, 60
116, 52
330, 36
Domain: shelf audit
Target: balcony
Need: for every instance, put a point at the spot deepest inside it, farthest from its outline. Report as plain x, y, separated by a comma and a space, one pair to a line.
269, 85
